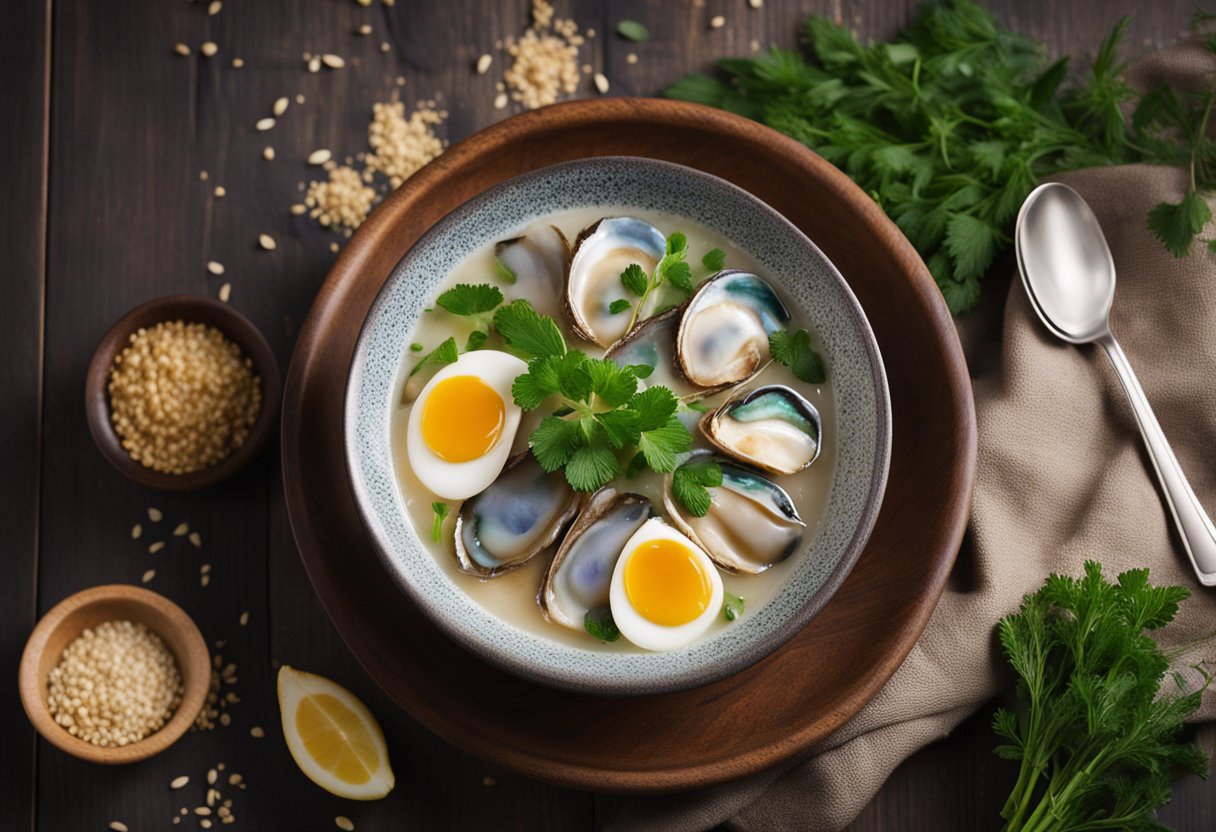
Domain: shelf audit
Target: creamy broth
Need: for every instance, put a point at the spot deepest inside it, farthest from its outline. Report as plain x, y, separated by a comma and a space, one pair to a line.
512, 596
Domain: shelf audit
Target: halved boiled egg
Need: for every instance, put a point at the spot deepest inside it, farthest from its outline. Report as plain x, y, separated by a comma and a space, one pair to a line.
463, 423
665, 591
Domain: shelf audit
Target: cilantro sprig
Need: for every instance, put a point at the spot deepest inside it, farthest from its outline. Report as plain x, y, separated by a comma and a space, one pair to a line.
793, 349
671, 270
691, 482
603, 417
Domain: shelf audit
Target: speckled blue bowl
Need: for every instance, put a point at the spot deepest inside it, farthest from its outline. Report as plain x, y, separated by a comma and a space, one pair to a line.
807, 277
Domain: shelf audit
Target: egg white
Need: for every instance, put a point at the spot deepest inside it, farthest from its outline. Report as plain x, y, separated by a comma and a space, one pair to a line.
643, 632
461, 480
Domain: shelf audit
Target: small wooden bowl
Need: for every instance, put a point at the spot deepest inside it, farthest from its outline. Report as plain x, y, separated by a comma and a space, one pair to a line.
89, 608
190, 309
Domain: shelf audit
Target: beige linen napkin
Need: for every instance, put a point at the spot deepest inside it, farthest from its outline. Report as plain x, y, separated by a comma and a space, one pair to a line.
1062, 477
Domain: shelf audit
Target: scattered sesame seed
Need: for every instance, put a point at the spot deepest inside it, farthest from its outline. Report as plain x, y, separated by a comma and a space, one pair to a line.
182, 528
178, 782
181, 49
195, 538
202, 810
216, 268
267, 242
214, 8
717, 22
300, 98
333, 61
631, 58
205, 823
202, 176
590, 33
344, 823
148, 576
298, 209
314, 64
264, 123
225, 292
208, 49
237, 63
154, 514
256, 732
500, 101
390, 3
204, 569
401, 80
220, 192
234, 779
136, 531
384, 47
319, 157
268, 153
225, 719
204, 581
601, 82
156, 547
483, 63
364, 2
280, 105
754, 45
118, 826
365, 29
755, 4
244, 618
211, 776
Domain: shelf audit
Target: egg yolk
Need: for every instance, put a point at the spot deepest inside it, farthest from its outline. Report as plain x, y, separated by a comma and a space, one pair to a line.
462, 418
665, 583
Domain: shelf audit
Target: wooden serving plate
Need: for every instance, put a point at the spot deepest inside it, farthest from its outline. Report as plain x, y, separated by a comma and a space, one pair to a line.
778, 707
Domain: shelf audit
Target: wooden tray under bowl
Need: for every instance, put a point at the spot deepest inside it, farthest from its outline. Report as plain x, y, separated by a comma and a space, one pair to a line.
780, 706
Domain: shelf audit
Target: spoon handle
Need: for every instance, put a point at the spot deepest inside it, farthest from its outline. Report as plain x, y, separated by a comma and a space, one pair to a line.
1194, 526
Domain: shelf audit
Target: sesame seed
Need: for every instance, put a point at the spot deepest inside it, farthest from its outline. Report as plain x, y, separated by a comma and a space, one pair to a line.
181, 529
500, 101
118, 826
202, 176
202, 810
384, 47
483, 64
280, 105
196, 539
211, 776
333, 247
214, 8
178, 782
154, 514
136, 531
754, 45
333, 61
364, 2
256, 732
156, 547
299, 208
216, 268
365, 29
631, 58
755, 4
204, 569
181, 49
237, 63
319, 157
344, 823
314, 64
220, 192
601, 82
208, 49
234, 779
267, 242
225, 292
244, 618
204, 581
268, 153
148, 576
264, 124
717, 22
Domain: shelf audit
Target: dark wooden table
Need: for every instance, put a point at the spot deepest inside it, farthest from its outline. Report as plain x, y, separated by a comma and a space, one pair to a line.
106, 133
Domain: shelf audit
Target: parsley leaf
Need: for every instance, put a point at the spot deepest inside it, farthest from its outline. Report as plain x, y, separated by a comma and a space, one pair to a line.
634, 279
441, 512
679, 274
504, 272
1176, 226
690, 484
445, 353
600, 624
465, 299
591, 467
793, 349
554, 441
612, 383
661, 445
714, 260
732, 606
476, 340
620, 427
527, 331
654, 405
618, 306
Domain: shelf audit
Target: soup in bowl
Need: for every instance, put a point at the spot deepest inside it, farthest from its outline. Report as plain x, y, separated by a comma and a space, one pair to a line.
617, 426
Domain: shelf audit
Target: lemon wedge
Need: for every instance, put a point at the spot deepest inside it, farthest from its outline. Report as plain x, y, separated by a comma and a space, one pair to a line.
332, 736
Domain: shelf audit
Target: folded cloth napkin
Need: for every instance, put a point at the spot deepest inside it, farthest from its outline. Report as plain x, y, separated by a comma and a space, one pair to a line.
1062, 477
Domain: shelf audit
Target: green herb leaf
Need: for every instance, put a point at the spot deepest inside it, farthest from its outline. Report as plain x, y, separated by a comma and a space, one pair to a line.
470, 299
504, 272
680, 275
732, 606
636, 465
599, 623
714, 260
476, 340
677, 242
591, 467
661, 445
416, 347
1176, 226
618, 306
641, 370
634, 279
654, 406
528, 332
441, 512
690, 484
554, 442
793, 349
620, 427
632, 30
612, 383
445, 353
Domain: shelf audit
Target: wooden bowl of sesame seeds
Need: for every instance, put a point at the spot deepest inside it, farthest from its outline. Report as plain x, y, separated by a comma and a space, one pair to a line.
139, 622
204, 332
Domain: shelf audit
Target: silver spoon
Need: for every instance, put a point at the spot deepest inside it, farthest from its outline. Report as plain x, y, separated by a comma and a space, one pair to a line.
1070, 277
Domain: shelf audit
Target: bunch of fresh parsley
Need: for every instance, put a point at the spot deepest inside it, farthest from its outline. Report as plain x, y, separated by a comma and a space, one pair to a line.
953, 124
1097, 740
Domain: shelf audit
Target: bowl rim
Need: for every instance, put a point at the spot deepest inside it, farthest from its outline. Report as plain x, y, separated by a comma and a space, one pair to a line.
32, 686
237, 328
730, 663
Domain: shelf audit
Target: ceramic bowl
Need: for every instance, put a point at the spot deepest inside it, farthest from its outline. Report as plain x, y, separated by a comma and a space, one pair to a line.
191, 309
805, 276
89, 608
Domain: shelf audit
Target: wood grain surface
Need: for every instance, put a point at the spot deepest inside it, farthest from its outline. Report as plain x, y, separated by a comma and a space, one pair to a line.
100, 107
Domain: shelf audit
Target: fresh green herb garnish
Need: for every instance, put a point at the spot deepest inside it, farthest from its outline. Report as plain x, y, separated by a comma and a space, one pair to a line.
671, 270
504, 272
732, 606
690, 485
467, 300
445, 353
416, 347
476, 340
618, 306
632, 30
441, 512
793, 349
954, 123
714, 260
634, 279
699, 407
599, 623
528, 332
1097, 741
